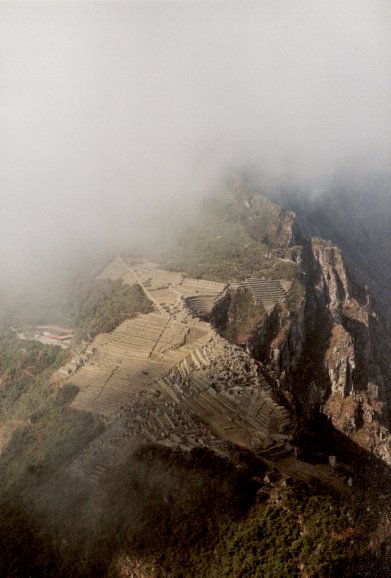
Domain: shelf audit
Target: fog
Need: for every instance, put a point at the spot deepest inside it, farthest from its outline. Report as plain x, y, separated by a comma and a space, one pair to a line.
118, 116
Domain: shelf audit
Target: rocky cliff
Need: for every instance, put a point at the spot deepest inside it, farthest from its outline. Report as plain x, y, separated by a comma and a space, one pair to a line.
325, 345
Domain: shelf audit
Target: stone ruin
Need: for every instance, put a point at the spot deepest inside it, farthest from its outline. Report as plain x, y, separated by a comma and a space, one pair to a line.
167, 377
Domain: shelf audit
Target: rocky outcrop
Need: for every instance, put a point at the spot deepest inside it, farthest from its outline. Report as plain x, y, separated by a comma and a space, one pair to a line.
347, 348
268, 222
340, 361
328, 353
329, 275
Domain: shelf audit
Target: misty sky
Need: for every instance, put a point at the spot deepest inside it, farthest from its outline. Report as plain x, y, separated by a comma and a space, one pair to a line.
110, 111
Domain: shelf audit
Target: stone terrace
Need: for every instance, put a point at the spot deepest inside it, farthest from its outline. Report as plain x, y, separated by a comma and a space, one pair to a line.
267, 292
168, 377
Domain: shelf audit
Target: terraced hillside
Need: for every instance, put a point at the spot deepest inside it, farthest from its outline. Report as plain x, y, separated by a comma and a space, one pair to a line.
141, 350
266, 292
163, 382
132, 357
168, 377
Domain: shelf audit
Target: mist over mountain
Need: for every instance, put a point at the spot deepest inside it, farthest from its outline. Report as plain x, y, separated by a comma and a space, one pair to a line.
357, 217
195, 273
116, 116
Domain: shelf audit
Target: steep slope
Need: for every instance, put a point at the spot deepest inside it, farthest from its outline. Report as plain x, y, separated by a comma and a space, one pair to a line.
358, 221
323, 344
146, 453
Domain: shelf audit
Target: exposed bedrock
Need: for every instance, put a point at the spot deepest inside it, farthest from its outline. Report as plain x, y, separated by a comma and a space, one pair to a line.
329, 353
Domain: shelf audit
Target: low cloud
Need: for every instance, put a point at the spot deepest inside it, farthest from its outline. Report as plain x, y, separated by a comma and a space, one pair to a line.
116, 115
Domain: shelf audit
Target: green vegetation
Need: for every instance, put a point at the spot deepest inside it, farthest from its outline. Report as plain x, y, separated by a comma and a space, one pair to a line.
194, 514
238, 237
294, 298
235, 236
53, 435
104, 305
218, 251
31, 464
237, 316
49, 433
302, 532
21, 364
161, 502
24, 357
90, 308
73, 299
284, 269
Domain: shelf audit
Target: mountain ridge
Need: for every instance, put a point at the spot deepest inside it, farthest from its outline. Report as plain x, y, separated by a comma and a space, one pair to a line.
264, 389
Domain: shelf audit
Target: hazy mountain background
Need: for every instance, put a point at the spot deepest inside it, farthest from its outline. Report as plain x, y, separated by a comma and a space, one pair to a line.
116, 117
356, 217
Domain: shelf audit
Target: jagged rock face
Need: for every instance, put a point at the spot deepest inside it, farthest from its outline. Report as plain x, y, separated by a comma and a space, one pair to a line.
268, 222
358, 235
329, 354
345, 344
329, 275
331, 295
340, 361
352, 351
